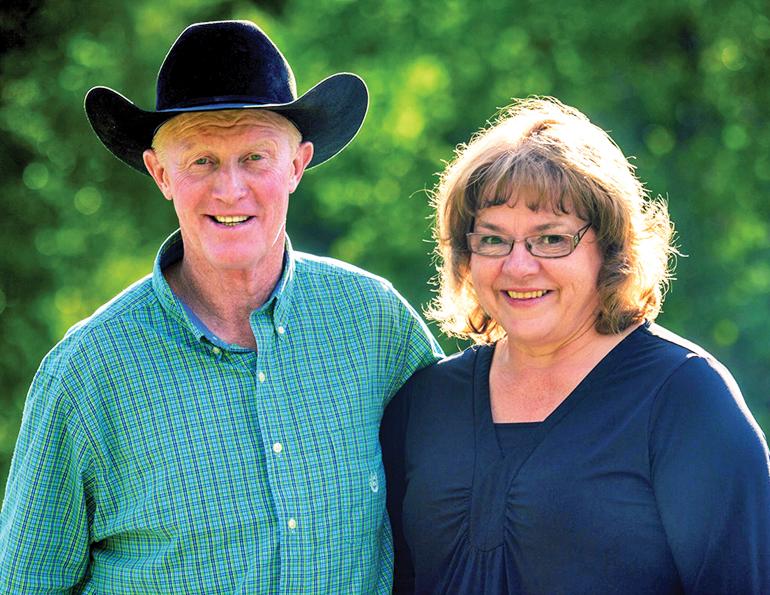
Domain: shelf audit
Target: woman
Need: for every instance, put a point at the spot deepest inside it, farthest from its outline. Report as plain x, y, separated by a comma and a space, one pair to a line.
578, 447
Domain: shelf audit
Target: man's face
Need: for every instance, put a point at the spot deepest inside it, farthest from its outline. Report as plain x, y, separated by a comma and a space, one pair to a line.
230, 185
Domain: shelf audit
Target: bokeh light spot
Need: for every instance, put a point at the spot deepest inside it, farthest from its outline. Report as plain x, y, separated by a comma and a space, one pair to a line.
88, 200
659, 141
36, 176
725, 332
735, 137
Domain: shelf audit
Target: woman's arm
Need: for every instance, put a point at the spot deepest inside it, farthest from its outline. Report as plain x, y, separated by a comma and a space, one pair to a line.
392, 436
711, 476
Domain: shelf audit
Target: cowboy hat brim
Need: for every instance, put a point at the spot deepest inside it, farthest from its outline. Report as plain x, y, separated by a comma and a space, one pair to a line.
329, 115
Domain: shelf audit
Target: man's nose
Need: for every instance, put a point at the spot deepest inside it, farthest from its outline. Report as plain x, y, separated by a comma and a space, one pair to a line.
230, 184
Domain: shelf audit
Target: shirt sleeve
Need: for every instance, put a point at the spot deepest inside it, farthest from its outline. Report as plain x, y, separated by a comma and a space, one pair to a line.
711, 477
417, 347
44, 529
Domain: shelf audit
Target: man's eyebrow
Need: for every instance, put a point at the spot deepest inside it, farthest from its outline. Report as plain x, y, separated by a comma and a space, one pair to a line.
192, 147
265, 140
265, 143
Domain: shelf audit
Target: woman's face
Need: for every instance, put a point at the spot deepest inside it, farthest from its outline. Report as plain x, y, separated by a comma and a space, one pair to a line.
542, 304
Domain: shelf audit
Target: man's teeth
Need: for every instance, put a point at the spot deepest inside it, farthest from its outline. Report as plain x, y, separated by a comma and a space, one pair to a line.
230, 220
526, 295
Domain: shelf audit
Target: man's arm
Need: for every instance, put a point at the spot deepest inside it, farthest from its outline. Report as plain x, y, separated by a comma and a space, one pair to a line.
417, 349
44, 529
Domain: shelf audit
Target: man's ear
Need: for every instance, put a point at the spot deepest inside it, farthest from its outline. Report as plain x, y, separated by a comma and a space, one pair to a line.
301, 158
157, 171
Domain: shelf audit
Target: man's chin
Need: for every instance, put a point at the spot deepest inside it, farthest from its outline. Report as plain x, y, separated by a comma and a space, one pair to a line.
235, 265
240, 261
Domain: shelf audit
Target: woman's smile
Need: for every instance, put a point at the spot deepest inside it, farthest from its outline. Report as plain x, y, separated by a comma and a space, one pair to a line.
542, 303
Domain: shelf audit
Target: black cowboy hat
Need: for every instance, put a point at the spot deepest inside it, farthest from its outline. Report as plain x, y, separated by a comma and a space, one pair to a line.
230, 65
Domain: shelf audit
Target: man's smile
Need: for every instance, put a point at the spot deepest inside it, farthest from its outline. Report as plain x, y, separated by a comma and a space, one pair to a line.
231, 220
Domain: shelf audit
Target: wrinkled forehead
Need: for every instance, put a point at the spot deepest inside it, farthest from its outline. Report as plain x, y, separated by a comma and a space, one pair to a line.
188, 125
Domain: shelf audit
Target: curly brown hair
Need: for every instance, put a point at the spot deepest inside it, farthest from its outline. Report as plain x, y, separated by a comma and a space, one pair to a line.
553, 155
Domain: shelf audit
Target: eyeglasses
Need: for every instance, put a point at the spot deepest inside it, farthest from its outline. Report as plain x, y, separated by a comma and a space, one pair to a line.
548, 245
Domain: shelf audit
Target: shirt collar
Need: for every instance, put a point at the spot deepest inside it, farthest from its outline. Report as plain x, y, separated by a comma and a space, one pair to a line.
276, 306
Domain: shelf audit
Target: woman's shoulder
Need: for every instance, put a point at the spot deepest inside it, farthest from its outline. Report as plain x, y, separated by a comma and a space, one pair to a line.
448, 382
673, 343
700, 396
443, 388
675, 361
652, 351
457, 366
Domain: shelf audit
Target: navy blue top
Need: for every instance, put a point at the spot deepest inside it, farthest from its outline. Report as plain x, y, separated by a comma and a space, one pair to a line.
650, 477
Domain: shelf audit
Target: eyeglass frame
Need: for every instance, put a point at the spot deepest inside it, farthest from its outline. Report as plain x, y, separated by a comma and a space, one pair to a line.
575, 240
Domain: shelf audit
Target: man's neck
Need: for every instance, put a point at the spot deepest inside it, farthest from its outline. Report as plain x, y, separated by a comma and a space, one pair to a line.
224, 300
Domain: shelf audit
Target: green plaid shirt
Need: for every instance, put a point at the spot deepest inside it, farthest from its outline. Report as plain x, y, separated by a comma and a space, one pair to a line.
151, 460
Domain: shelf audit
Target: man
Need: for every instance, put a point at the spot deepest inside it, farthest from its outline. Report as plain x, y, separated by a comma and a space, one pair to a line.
213, 429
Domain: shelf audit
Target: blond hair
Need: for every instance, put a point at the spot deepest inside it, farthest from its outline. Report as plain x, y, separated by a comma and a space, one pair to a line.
556, 158
186, 124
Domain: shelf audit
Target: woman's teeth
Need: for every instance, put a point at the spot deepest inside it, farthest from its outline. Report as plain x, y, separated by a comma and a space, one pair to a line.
526, 295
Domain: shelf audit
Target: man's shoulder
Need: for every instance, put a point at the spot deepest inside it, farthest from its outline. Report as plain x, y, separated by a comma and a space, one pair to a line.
325, 273
92, 332
312, 264
336, 288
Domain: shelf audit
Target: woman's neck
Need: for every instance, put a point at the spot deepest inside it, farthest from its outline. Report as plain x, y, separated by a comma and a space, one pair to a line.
529, 384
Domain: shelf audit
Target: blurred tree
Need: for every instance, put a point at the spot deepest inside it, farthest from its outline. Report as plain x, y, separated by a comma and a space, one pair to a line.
680, 86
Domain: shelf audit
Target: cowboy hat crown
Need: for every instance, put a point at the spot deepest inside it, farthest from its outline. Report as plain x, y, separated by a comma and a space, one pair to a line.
230, 65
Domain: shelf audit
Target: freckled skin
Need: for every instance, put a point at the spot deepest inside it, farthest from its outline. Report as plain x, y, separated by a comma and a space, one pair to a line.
229, 170
243, 169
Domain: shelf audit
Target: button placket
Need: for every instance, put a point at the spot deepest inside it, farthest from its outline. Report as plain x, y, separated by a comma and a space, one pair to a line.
217, 352
270, 335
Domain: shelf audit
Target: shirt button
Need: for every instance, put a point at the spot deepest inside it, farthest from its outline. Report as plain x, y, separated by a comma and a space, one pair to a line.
216, 350
261, 376
277, 448
292, 524
281, 330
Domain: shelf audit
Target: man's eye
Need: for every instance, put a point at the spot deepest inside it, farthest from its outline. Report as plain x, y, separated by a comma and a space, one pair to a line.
492, 240
255, 157
201, 161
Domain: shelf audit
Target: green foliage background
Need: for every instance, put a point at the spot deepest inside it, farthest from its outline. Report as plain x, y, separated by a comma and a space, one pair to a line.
682, 86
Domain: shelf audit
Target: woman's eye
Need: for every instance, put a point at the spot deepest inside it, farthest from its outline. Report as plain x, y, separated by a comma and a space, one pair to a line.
491, 240
552, 240
201, 161
255, 157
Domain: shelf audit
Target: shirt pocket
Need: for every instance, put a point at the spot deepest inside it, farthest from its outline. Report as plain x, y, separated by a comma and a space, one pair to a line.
360, 479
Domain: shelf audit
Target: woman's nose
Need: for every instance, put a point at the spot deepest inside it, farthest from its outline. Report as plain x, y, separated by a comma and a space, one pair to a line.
519, 261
